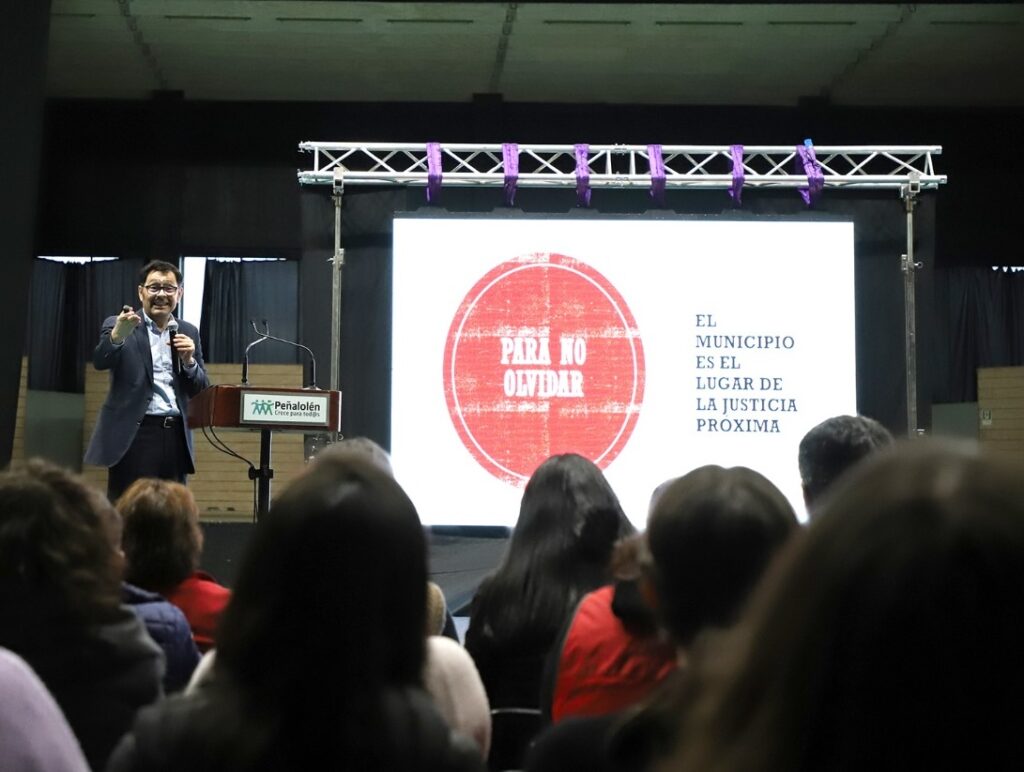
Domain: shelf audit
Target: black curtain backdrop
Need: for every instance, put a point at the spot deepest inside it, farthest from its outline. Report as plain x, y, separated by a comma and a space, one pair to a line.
222, 330
49, 314
237, 292
67, 306
979, 322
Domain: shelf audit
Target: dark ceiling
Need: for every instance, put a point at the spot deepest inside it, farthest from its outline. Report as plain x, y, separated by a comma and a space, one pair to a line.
758, 54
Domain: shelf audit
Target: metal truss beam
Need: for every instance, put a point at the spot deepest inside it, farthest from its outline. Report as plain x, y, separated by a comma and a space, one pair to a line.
622, 166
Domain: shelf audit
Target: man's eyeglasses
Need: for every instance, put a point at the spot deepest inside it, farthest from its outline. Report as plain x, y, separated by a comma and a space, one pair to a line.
156, 289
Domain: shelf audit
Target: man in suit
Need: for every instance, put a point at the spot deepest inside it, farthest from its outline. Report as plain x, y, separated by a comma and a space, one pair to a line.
142, 428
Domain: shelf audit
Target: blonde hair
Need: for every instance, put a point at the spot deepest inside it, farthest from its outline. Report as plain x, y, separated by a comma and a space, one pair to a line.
436, 608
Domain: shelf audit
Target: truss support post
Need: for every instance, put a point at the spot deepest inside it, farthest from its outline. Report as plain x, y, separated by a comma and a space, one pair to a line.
909, 193
337, 263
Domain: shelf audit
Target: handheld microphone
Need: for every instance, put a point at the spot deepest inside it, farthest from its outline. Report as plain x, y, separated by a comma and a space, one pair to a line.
172, 330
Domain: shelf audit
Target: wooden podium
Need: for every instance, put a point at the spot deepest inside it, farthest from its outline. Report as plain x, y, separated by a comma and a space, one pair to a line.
266, 411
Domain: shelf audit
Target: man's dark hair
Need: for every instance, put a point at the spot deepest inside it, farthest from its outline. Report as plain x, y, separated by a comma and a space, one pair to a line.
159, 265
832, 447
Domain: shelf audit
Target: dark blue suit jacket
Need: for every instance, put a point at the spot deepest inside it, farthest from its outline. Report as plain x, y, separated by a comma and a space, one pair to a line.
131, 389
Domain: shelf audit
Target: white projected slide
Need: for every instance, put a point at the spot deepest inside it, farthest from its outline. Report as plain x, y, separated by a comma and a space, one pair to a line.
650, 346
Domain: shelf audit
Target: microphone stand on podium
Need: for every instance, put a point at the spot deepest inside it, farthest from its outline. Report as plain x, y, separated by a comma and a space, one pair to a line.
267, 410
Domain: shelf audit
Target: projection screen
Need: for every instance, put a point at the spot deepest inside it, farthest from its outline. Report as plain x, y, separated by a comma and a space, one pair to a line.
651, 346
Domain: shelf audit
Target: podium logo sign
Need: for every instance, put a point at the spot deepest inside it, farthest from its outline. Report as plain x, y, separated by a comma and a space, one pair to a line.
285, 408
262, 407
543, 357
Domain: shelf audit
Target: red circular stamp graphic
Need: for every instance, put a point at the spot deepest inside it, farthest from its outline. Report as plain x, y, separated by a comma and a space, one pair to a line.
543, 357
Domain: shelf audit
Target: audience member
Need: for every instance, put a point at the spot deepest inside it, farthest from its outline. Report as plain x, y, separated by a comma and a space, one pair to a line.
612, 651
439, 618
165, 622
569, 521
436, 608
162, 545
34, 735
888, 638
451, 678
365, 448
358, 447
60, 606
710, 536
203, 672
321, 649
831, 448
167, 626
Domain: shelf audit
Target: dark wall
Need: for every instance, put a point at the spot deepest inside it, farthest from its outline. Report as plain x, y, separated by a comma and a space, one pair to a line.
23, 40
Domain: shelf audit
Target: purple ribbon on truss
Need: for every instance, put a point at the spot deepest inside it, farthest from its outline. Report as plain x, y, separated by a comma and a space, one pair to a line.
815, 179
582, 175
510, 159
433, 172
738, 174
657, 163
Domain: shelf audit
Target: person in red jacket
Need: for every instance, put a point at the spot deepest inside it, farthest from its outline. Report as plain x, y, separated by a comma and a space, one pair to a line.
612, 653
162, 545
710, 536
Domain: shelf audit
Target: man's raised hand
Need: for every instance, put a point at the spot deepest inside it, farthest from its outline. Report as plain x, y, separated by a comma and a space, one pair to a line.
126, 322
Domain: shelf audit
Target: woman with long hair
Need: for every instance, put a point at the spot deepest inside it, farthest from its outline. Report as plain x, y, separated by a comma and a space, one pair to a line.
888, 637
321, 647
560, 549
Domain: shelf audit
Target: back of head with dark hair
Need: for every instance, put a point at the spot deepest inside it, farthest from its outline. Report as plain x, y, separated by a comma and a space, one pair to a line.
711, 534
834, 446
888, 638
561, 548
161, 538
327, 614
57, 564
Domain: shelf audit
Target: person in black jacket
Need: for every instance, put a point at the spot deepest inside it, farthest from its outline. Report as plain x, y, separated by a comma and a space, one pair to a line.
321, 649
60, 606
